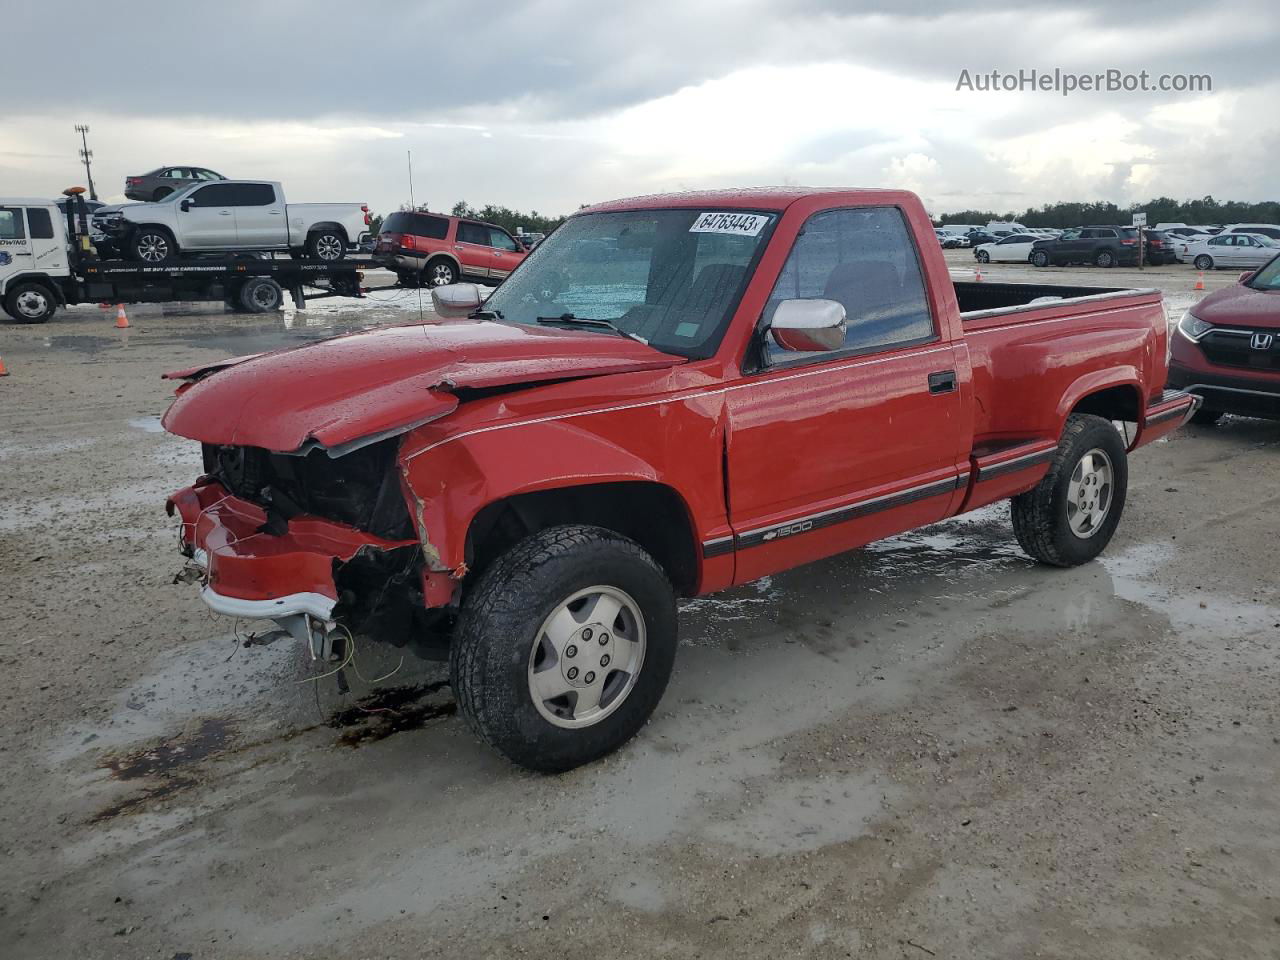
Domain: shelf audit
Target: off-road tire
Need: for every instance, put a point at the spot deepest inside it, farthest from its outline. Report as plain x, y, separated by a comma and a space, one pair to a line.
489, 658
1040, 515
30, 302
1206, 418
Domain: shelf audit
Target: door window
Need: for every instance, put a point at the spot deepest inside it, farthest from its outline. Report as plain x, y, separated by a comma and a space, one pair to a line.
234, 195
864, 259
473, 233
176, 173
40, 222
11, 226
502, 240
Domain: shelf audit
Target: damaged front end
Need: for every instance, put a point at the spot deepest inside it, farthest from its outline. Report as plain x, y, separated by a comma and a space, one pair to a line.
320, 545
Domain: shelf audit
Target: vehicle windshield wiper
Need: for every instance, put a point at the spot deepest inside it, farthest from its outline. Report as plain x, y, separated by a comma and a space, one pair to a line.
569, 320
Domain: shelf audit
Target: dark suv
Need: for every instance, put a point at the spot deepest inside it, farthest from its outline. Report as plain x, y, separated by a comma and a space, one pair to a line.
1103, 246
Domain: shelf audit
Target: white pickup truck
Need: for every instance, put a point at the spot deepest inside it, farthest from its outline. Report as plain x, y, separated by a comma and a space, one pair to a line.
232, 215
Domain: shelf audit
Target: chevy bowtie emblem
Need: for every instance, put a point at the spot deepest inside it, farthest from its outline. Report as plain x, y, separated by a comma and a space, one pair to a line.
1261, 341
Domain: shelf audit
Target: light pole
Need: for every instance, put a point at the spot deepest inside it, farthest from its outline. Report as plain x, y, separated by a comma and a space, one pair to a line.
86, 154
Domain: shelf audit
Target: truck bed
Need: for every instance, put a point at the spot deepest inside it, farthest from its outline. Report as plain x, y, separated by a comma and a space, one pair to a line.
983, 299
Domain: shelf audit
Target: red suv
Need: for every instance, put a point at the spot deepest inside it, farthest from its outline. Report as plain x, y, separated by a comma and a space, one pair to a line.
438, 250
1228, 348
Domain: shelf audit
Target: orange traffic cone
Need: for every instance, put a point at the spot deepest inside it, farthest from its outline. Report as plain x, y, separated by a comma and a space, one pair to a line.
977, 275
122, 320
4, 371
1199, 282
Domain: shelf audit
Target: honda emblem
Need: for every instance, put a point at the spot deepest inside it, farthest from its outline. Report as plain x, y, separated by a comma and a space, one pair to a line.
1261, 341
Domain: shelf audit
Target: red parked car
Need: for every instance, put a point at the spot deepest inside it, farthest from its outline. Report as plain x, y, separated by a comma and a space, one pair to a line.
1227, 349
439, 250
677, 394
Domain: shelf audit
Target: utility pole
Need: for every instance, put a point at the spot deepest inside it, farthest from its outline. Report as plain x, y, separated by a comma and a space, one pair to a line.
86, 154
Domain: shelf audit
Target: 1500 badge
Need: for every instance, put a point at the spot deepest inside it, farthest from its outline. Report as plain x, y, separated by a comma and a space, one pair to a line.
800, 526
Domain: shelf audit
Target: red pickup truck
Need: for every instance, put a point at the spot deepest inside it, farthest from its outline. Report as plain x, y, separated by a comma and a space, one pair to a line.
671, 395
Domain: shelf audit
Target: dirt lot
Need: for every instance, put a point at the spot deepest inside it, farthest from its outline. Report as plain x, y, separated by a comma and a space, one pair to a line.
931, 747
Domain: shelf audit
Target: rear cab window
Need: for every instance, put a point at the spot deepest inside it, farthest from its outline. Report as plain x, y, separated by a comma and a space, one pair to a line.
40, 222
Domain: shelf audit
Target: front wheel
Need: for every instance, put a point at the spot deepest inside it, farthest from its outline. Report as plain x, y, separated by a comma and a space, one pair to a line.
1040, 258
1203, 262
152, 245
564, 647
30, 303
983, 256
1069, 517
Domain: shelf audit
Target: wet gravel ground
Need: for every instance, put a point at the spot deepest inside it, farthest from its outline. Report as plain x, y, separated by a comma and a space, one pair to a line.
930, 747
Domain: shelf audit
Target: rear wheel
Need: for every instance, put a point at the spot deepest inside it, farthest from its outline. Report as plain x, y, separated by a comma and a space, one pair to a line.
1104, 258
260, 295
30, 303
564, 647
1071, 514
326, 245
439, 273
1203, 262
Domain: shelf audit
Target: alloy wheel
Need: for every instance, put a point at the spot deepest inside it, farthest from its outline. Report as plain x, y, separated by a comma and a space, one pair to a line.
587, 656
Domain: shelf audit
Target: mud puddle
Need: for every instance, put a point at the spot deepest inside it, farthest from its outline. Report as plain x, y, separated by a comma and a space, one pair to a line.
389, 710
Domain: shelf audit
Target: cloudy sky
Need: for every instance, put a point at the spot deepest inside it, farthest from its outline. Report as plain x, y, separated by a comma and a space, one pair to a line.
549, 104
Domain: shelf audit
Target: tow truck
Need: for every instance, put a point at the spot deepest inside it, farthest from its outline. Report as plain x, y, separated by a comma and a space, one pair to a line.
47, 260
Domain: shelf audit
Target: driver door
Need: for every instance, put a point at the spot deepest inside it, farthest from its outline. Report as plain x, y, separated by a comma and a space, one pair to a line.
870, 434
209, 220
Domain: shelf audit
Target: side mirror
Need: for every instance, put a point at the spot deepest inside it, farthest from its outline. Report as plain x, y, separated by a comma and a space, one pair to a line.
186, 205
456, 300
808, 325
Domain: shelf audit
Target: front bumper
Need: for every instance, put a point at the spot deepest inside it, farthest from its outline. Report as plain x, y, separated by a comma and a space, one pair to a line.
1244, 395
252, 574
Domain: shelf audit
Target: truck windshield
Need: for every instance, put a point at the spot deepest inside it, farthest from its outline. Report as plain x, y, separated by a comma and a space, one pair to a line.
669, 277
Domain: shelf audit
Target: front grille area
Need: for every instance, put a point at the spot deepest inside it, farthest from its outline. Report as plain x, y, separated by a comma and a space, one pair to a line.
361, 489
1237, 350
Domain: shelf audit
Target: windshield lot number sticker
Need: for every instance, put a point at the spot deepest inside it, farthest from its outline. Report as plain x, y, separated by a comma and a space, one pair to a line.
739, 224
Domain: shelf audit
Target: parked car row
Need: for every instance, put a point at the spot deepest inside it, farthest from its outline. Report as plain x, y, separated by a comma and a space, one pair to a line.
1110, 245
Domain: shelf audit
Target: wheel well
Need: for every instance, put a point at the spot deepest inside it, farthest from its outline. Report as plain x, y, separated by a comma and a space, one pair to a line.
1113, 403
38, 278
651, 514
318, 227
447, 258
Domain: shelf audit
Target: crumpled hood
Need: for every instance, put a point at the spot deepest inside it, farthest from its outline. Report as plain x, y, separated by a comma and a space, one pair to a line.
1240, 305
348, 390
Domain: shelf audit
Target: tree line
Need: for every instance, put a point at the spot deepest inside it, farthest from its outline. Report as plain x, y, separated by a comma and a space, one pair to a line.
1160, 210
